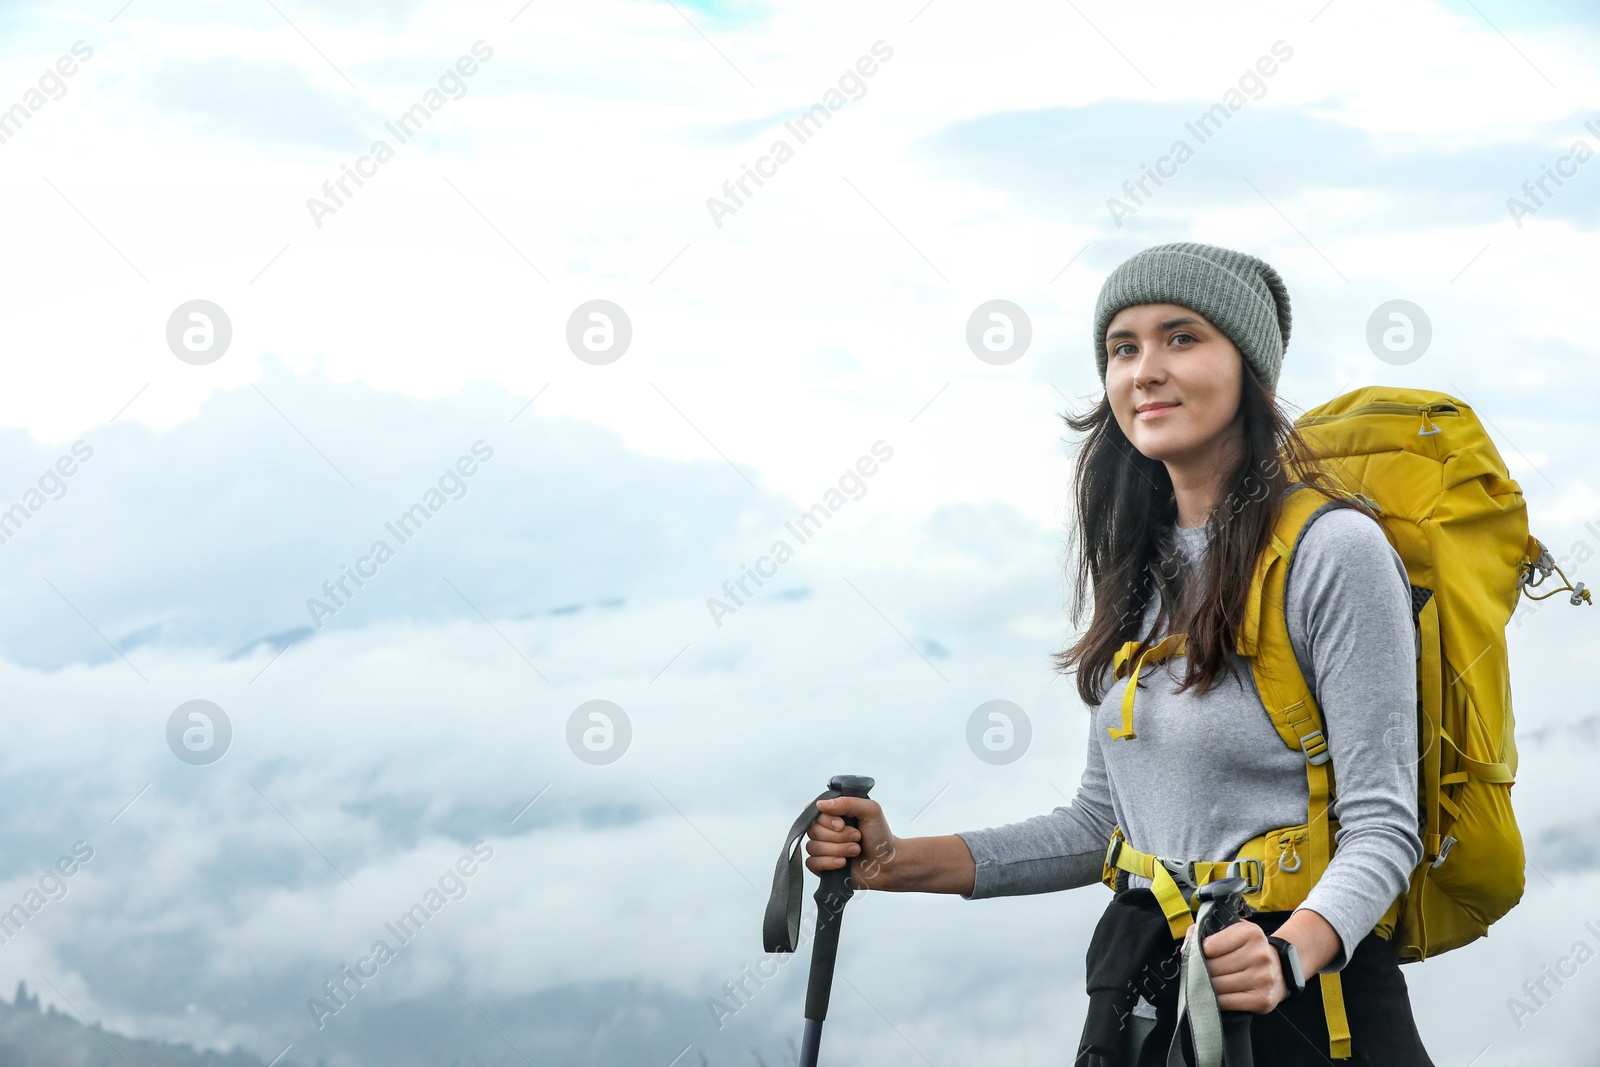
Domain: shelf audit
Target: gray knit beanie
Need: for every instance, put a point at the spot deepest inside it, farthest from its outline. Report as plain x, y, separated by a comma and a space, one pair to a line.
1239, 294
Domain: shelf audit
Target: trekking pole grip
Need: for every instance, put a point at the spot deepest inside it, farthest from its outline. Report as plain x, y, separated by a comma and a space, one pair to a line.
834, 890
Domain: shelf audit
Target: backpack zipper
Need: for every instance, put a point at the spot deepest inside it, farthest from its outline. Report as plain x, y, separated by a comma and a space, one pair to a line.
1389, 407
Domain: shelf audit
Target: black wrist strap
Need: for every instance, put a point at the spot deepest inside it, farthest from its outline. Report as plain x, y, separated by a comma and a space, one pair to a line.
1282, 947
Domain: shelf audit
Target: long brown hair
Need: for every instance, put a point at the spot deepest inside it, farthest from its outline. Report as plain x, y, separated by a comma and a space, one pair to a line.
1126, 551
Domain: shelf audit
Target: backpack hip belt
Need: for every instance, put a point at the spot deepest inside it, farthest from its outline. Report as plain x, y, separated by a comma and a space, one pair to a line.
1275, 872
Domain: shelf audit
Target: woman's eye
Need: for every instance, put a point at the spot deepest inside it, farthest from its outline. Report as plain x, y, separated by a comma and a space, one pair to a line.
1176, 336
1118, 350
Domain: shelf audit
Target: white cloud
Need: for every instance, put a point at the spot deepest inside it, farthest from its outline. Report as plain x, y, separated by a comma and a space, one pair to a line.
821, 317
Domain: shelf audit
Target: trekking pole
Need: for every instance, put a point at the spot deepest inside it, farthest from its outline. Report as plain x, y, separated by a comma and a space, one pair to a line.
1227, 908
1220, 1037
780, 926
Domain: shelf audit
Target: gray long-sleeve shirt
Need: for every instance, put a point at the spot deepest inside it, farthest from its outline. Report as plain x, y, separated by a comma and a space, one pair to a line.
1207, 773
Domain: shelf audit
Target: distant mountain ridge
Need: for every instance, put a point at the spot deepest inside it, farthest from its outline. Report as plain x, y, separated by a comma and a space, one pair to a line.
31, 1038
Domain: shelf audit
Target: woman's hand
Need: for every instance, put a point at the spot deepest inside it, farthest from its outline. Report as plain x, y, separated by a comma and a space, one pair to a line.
1244, 969
870, 849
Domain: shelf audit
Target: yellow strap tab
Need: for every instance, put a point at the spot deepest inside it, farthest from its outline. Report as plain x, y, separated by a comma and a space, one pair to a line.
1480, 769
1168, 647
1319, 852
1173, 906
1488, 772
1162, 884
1333, 1009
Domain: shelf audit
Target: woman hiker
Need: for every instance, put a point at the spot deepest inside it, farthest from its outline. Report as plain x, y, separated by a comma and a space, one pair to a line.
1177, 487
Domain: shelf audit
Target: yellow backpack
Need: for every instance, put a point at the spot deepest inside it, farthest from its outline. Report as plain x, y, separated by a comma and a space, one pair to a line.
1457, 519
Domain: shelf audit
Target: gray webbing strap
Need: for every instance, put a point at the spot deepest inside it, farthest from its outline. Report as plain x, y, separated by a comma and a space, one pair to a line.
1198, 1000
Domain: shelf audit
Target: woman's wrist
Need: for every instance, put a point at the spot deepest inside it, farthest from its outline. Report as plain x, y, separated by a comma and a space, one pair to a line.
928, 865
1314, 939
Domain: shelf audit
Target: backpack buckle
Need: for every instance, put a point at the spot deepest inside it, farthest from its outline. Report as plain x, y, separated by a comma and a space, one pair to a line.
1182, 871
1237, 869
1315, 746
1544, 565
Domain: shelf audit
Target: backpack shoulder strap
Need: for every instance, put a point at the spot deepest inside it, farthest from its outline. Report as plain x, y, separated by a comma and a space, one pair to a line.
1263, 636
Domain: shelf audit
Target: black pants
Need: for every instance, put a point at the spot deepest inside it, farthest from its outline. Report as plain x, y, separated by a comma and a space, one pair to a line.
1295, 1034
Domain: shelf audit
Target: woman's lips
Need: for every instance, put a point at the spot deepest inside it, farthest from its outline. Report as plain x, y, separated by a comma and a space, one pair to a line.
1157, 410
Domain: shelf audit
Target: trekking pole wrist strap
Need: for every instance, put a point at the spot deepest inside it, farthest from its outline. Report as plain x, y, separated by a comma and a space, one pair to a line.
780, 926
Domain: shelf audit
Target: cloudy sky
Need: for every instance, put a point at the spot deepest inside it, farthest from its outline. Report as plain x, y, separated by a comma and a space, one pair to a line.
421, 335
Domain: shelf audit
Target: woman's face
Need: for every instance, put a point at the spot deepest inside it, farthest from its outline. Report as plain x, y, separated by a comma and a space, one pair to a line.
1168, 359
